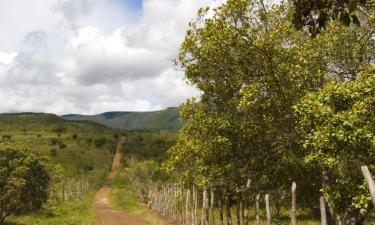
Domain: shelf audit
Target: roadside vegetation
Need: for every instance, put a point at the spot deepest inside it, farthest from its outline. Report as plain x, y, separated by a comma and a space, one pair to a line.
143, 152
76, 156
280, 105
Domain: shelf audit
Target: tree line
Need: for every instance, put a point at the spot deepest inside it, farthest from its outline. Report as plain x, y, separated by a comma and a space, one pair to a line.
279, 106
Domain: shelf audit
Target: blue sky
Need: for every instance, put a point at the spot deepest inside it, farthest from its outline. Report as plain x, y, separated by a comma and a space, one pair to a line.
135, 4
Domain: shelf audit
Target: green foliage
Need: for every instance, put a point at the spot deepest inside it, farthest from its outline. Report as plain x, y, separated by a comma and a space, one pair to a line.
148, 145
78, 164
123, 197
99, 142
338, 126
315, 15
24, 182
59, 129
253, 67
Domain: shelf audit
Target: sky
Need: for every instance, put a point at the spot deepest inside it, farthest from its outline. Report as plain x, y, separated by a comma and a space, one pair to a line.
93, 56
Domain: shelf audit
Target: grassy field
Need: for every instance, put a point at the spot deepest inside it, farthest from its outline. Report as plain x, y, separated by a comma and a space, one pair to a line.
79, 155
73, 212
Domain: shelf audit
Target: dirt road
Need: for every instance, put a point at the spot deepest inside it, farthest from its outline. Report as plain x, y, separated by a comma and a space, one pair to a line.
106, 215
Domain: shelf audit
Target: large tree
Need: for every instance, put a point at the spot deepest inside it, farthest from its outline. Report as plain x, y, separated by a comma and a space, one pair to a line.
253, 67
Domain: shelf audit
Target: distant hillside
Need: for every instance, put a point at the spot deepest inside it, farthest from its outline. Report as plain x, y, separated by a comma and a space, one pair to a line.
42, 121
165, 120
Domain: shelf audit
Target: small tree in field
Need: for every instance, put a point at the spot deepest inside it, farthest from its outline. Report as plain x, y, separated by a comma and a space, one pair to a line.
24, 182
59, 129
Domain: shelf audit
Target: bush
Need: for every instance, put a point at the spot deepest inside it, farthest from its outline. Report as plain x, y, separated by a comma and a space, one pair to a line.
59, 129
62, 145
53, 152
53, 141
6, 137
88, 140
99, 142
75, 136
24, 182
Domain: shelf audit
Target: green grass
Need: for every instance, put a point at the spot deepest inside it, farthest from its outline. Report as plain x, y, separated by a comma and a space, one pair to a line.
79, 162
76, 212
122, 198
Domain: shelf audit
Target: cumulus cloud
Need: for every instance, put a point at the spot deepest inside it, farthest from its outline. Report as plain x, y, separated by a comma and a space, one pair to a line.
92, 56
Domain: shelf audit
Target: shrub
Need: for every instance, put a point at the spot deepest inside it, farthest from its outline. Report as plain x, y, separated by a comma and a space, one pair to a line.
6, 137
62, 145
24, 182
53, 141
53, 152
75, 136
88, 140
59, 129
99, 142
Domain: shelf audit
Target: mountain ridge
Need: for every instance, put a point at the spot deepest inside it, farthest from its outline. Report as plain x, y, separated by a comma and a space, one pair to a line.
162, 120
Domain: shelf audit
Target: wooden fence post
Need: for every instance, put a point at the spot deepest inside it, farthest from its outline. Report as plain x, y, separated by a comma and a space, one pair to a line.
245, 203
212, 202
221, 207
257, 219
323, 215
227, 208
370, 182
268, 208
294, 210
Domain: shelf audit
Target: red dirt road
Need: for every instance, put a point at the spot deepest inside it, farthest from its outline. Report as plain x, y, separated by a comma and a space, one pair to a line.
106, 215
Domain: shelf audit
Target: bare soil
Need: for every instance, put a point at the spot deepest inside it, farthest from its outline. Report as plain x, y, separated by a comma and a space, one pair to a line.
105, 214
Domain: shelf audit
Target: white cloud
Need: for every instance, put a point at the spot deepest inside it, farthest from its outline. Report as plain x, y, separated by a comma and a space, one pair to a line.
91, 56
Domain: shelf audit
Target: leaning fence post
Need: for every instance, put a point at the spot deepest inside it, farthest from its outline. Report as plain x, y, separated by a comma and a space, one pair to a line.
268, 209
293, 213
370, 182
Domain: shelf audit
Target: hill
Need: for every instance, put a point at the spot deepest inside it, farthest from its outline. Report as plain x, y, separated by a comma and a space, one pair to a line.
163, 120
40, 121
78, 156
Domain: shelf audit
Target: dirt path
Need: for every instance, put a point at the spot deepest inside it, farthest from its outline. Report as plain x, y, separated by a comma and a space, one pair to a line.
106, 215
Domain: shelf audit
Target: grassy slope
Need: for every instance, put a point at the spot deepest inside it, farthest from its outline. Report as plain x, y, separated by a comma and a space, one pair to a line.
166, 120
81, 160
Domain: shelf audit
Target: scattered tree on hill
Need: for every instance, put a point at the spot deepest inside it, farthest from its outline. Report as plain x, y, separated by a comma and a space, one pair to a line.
99, 142
59, 129
24, 182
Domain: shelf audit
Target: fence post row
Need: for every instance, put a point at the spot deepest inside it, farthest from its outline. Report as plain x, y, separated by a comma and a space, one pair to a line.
182, 205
